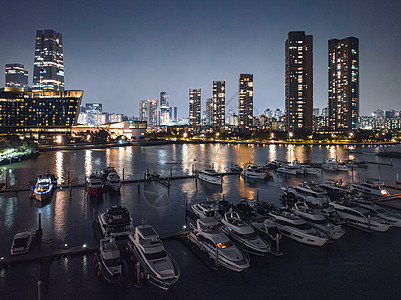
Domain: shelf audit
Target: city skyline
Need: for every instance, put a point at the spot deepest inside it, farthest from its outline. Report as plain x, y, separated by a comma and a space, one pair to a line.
88, 62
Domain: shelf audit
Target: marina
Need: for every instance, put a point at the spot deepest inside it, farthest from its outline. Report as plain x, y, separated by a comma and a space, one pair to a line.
161, 201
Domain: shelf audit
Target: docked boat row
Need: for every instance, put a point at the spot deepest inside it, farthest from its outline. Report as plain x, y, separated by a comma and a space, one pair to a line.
143, 242
107, 179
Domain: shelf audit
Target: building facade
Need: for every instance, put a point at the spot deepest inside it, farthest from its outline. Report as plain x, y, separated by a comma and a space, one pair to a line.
343, 79
48, 69
218, 104
194, 107
299, 81
16, 76
38, 113
245, 100
93, 109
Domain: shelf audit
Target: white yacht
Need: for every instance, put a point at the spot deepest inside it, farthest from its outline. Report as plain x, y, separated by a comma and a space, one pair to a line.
160, 267
268, 227
309, 192
293, 227
44, 187
289, 170
94, 184
210, 175
359, 217
209, 237
316, 219
111, 179
116, 222
255, 172
109, 259
305, 168
22, 242
206, 209
243, 234
330, 164
372, 187
391, 218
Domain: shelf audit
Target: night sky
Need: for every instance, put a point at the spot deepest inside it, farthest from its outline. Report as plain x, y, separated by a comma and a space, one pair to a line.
120, 52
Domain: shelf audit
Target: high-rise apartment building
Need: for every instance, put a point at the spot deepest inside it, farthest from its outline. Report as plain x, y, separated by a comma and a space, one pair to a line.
48, 69
245, 99
195, 107
219, 103
209, 112
149, 112
343, 84
93, 109
165, 109
299, 81
16, 76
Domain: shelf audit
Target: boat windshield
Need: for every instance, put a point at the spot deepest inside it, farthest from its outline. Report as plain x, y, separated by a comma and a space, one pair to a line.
20, 242
248, 236
156, 255
113, 262
211, 228
209, 213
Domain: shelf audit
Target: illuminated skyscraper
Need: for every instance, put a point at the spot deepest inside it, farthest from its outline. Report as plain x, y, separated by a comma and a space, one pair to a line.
343, 84
245, 99
209, 112
165, 109
16, 76
299, 81
195, 107
219, 103
93, 109
48, 69
149, 112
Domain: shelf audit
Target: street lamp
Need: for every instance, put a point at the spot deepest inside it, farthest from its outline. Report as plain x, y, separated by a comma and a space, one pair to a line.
290, 136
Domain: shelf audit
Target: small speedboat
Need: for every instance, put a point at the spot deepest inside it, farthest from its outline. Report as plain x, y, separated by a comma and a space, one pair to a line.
330, 164
22, 242
116, 222
235, 168
293, 227
160, 267
209, 237
316, 219
288, 170
108, 259
243, 234
43, 189
94, 184
209, 175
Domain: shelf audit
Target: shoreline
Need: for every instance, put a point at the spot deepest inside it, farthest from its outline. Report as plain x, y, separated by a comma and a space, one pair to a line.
167, 142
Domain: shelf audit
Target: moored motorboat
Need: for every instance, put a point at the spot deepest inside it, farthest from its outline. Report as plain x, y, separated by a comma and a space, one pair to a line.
243, 234
210, 175
316, 219
359, 217
308, 192
293, 227
160, 268
22, 242
206, 209
288, 170
371, 187
116, 222
111, 179
208, 236
330, 164
108, 259
255, 172
43, 189
94, 184
235, 168
392, 218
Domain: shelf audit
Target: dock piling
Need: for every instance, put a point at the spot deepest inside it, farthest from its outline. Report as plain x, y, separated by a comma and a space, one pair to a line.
277, 242
216, 259
40, 290
40, 221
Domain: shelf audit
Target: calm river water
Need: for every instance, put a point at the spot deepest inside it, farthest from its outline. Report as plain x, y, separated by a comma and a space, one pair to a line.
359, 265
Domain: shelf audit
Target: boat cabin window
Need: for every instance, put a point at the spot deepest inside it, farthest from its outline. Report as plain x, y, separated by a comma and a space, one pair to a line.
113, 262
20, 242
215, 228
156, 255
